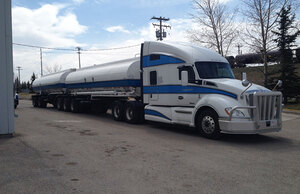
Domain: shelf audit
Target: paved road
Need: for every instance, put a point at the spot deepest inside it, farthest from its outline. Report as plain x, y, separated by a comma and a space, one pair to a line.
58, 152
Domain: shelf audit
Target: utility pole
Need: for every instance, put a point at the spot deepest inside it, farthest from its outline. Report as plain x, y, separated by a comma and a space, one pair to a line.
160, 34
19, 80
78, 51
41, 56
239, 49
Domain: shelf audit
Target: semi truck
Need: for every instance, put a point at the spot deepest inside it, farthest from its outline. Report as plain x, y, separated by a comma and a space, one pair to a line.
174, 83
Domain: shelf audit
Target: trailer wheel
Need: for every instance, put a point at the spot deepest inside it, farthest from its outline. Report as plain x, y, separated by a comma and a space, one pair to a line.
41, 103
67, 104
208, 124
59, 103
118, 111
74, 106
132, 112
34, 101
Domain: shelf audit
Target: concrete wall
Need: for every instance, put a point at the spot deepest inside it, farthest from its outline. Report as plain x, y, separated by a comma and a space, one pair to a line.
6, 69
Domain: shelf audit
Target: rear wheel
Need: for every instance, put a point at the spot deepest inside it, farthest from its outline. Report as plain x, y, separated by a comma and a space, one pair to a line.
34, 101
74, 106
208, 124
42, 103
67, 104
59, 103
132, 113
118, 111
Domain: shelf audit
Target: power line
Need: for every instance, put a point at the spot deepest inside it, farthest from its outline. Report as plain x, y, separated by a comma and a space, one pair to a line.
34, 46
116, 48
65, 49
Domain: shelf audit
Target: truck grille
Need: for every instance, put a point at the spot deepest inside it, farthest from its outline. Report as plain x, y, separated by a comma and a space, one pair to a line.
268, 105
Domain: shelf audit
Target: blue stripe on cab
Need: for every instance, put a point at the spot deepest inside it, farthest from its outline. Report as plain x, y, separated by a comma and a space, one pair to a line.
174, 89
155, 113
163, 60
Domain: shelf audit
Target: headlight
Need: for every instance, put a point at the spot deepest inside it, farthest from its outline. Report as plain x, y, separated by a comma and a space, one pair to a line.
236, 113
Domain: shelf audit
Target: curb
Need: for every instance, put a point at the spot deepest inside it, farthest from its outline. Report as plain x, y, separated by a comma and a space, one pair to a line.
291, 111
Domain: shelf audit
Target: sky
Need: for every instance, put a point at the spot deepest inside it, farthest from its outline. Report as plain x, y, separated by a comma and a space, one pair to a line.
91, 25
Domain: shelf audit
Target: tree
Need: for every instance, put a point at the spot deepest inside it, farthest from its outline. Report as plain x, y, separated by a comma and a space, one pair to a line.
33, 77
217, 29
262, 16
286, 35
53, 69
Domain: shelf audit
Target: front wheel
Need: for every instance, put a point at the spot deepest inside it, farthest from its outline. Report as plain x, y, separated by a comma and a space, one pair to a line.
208, 124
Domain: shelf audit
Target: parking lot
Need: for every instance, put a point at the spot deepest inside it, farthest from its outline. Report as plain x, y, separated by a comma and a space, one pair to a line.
59, 152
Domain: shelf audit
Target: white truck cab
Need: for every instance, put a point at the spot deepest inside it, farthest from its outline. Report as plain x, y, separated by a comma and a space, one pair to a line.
190, 85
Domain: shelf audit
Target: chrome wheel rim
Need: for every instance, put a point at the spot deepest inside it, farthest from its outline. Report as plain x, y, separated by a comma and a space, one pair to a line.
208, 124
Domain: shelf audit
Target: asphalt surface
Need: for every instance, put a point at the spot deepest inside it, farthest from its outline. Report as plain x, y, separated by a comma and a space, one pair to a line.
58, 152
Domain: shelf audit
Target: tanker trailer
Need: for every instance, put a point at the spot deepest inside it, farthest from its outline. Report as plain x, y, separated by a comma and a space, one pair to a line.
174, 83
48, 87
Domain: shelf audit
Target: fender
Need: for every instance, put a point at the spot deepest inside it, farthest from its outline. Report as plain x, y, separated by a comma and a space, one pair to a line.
215, 101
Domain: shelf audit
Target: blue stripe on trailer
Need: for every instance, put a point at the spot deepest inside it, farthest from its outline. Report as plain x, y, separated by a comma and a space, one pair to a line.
116, 83
155, 113
163, 60
53, 86
178, 89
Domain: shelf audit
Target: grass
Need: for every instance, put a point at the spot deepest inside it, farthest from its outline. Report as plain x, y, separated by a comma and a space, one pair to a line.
255, 75
24, 96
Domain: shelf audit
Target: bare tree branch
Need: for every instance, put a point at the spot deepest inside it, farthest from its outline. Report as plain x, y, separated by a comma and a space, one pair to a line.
53, 69
217, 29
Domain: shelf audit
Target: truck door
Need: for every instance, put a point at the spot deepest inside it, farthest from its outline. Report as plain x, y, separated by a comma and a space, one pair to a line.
153, 82
187, 97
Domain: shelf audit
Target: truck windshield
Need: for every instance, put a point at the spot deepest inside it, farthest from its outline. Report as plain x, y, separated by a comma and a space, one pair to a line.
213, 70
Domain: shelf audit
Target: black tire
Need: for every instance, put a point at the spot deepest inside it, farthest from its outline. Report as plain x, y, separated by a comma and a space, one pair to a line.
59, 104
42, 103
74, 106
39, 102
67, 104
117, 111
208, 124
132, 113
34, 101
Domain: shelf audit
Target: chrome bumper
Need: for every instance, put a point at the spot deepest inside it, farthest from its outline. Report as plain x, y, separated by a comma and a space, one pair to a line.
249, 127
265, 115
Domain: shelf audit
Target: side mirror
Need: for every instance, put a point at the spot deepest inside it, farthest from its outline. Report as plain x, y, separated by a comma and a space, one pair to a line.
278, 85
245, 82
184, 78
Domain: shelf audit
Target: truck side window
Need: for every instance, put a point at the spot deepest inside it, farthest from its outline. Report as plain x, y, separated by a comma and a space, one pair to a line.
154, 57
153, 78
191, 73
